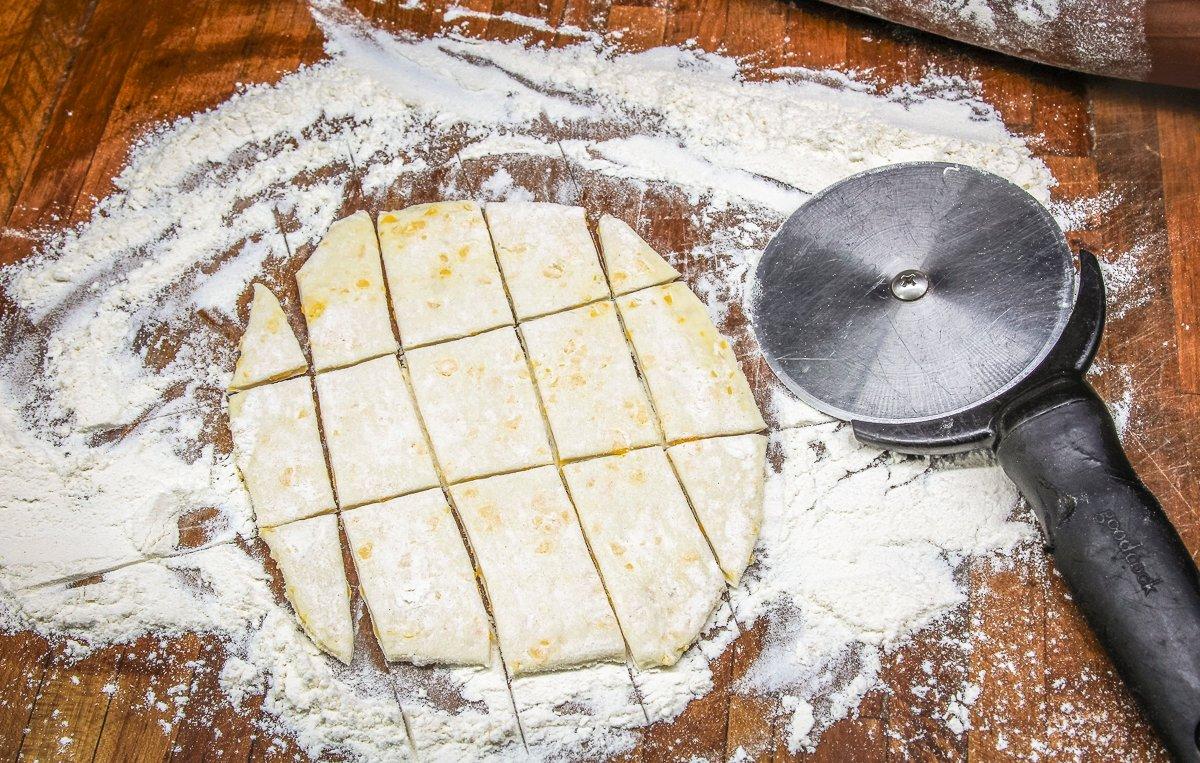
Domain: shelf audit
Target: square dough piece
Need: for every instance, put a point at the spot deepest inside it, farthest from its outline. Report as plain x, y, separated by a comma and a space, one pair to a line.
655, 562
376, 446
723, 477
278, 451
441, 272
268, 350
417, 580
594, 401
479, 405
309, 556
342, 296
694, 378
550, 608
631, 263
547, 256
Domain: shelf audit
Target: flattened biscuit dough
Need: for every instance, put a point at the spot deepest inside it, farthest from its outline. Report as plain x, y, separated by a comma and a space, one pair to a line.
268, 350
309, 556
594, 401
479, 405
631, 263
376, 446
342, 296
694, 379
418, 582
723, 477
278, 451
655, 562
441, 272
547, 256
550, 608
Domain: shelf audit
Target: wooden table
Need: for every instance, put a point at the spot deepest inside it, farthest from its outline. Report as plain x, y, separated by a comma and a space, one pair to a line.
81, 78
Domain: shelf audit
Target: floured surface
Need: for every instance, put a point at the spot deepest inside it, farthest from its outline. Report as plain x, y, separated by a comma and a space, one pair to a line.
717, 140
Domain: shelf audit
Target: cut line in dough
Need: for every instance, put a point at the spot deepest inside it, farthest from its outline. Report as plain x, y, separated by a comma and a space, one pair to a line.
309, 556
594, 401
656, 564
479, 405
547, 256
278, 451
441, 272
268, 350
550, 608
695, 382
376, 446
343, 298
631, 263
723, 478
418, 582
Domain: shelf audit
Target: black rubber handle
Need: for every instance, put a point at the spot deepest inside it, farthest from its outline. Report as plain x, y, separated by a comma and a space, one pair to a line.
1125, 565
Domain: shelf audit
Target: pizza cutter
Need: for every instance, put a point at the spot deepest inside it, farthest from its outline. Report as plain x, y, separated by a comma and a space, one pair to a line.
934, 306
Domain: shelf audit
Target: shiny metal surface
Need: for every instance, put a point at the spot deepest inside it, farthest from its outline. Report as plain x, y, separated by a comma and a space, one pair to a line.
1000, 283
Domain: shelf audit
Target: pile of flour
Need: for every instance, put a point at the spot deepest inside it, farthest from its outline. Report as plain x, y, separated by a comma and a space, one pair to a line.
113, 362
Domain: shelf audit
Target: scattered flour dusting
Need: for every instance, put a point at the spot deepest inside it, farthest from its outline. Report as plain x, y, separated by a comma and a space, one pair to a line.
124, 516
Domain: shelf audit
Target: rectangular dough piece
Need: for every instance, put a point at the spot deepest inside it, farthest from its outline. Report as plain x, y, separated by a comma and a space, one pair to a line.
547, 256
417, 580
479, 405
550, 608
723, 477
309, 556
268, 350
342, 296
694, 378
278, 451
657, 566
594, 401
441, 272
376, 446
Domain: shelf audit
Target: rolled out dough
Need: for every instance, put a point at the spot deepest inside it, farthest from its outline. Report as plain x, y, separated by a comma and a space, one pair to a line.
631, 263
268, 350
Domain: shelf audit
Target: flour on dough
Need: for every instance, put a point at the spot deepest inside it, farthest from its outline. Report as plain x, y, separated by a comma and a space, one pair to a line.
723, 477
309, 556
657, 566
268, 350
631, 263
277, 449
479, 405
594, 401
441, 272
549, 605
546, 255
343, 298
694, 379
376, 446
417, 580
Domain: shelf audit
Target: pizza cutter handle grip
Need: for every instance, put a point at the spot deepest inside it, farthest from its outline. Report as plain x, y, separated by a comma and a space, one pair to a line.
1125, 564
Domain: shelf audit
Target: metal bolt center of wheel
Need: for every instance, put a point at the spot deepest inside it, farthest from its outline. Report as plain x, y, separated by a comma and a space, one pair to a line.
909, 285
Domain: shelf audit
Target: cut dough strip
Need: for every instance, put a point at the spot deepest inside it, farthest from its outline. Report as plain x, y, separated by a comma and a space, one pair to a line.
342, 296
376, 446
268, 350
547, 256
550, 608
631, 263
694, 378
723, 477
309, 556
479, 406
441, 272
417, 580
595, 403
658, 569
278, 451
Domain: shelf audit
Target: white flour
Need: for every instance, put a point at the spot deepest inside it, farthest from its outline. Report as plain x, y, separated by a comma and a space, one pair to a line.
98, 473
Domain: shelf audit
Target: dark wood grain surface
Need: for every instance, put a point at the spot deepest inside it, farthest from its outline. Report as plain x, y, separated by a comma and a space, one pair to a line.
81, 78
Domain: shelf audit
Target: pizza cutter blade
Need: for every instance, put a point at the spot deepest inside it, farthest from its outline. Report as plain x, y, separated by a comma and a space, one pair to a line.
936, 307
